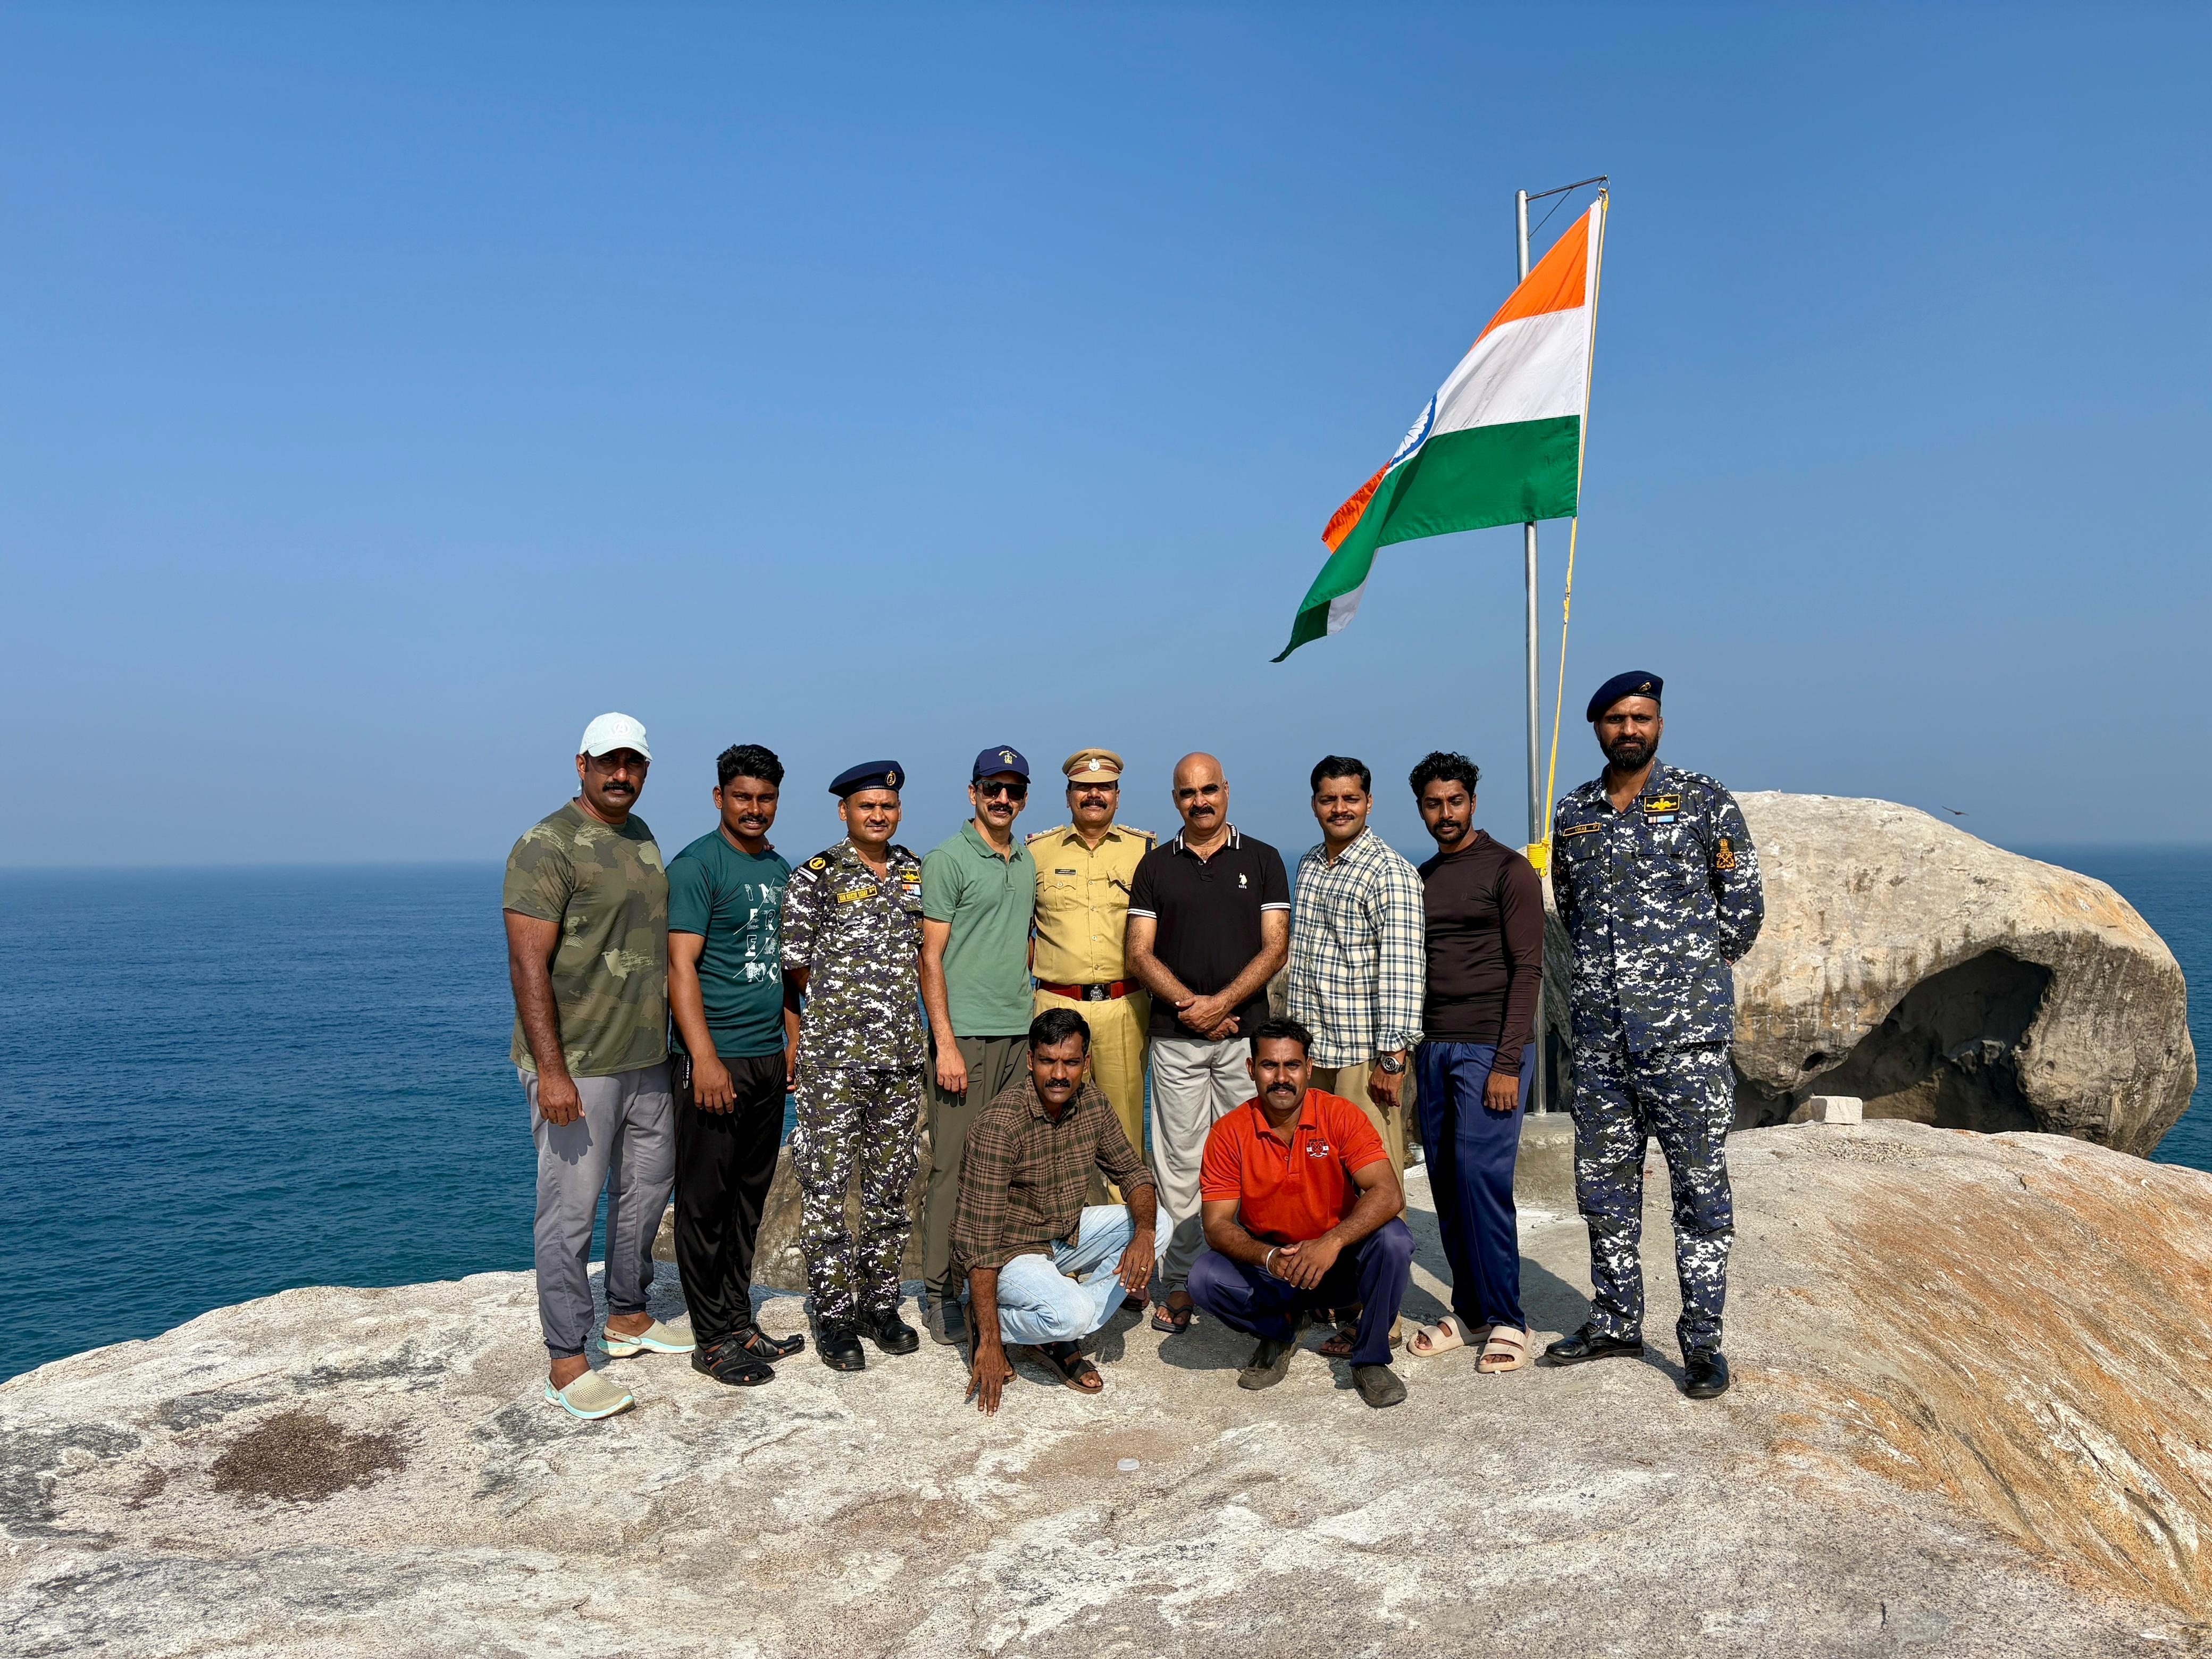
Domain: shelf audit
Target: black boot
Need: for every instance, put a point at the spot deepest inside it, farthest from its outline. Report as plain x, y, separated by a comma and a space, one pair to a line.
1705, 1373
888, 1332
1587, 1344
839, 1345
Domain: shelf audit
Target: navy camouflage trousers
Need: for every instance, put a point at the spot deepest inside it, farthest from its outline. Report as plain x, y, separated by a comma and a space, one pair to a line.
1685, 1099
853, 1121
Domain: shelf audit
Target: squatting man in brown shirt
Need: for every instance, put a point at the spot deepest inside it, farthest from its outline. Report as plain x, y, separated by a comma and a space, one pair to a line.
1043, 1268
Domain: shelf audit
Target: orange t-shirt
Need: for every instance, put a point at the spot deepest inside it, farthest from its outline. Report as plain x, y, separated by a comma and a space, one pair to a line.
1287, 1194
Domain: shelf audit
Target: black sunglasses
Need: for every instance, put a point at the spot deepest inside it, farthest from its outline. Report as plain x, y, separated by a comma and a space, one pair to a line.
988, 786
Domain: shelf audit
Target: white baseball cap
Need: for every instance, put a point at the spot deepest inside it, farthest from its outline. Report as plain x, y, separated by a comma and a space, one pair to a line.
612, 732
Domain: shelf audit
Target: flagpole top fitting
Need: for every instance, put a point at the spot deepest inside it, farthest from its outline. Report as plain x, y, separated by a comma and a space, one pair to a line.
1599, 179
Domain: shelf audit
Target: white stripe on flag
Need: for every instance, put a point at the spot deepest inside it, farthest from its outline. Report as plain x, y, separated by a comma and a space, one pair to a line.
1343, 608
1532, 368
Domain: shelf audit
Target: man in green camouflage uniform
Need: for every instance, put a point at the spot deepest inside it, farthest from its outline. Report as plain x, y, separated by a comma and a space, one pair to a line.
852, 932
586, 899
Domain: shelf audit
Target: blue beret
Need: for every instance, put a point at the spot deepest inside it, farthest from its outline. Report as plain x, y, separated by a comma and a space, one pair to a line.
868, 775
1635, 683
992, 762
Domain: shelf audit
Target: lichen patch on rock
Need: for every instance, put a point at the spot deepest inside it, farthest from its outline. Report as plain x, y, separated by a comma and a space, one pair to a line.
302, 1457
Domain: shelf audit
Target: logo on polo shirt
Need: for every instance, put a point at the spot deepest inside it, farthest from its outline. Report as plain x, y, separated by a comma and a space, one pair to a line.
1319, 1148
1241, 882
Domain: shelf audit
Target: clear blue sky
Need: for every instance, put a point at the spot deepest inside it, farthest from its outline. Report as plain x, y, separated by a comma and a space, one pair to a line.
385, 391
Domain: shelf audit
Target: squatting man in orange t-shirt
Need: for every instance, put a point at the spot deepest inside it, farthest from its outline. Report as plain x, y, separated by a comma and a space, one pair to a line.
1300, 1208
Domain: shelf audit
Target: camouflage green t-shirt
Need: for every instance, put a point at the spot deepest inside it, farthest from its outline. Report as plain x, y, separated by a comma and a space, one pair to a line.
609, 890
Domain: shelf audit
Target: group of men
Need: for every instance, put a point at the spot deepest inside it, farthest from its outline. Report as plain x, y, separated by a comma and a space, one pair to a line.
1027, 998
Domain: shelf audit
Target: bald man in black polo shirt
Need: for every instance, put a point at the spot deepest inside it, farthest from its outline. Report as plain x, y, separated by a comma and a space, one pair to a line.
1209, 925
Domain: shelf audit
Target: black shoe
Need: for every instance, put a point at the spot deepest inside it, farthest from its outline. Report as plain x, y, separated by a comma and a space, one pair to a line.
1378, 1385
756, 1344
840, 1348
1705, 1373
888, 1332
1269, 1364
1587, 1344
944, 1318
727, 1361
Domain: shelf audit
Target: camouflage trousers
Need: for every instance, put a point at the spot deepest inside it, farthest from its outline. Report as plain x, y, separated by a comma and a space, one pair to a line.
1685, 1099
854, 1120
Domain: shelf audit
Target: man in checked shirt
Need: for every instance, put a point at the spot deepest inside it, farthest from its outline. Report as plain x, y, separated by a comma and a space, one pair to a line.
1358, 965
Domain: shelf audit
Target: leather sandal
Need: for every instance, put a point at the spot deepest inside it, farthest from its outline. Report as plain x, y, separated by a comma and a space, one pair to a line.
1070, 1366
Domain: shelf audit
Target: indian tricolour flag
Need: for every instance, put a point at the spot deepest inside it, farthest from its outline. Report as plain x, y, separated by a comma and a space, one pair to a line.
1500, 443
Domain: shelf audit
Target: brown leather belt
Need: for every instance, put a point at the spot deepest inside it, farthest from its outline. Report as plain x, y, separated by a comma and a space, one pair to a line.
1120, 988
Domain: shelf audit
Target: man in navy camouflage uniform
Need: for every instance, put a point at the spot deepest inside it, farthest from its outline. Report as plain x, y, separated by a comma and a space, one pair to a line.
852, 936
1657, 884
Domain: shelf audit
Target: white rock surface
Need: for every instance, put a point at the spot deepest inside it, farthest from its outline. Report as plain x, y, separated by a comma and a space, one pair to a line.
1941, 1443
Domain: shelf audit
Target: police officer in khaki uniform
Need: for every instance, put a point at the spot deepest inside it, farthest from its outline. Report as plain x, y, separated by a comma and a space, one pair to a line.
1083, 874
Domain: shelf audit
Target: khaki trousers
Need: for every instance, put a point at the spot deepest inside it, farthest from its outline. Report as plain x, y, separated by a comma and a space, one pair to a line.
1350, 1082
1117, 1053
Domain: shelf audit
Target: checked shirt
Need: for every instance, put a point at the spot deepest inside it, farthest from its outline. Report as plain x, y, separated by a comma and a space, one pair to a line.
1358, 961
1023, 1177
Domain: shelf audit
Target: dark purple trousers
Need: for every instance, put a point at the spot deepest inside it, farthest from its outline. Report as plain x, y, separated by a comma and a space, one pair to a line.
1372, 1273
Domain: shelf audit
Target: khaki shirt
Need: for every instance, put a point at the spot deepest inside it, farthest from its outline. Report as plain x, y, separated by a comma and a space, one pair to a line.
1083, 902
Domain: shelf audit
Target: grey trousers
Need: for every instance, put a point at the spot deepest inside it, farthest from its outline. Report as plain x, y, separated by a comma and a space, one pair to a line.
624, 1144
993, 1063
1195, 1083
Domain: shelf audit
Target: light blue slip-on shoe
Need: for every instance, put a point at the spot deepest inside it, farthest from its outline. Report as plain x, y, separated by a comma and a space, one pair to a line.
591, 1397
655, 1338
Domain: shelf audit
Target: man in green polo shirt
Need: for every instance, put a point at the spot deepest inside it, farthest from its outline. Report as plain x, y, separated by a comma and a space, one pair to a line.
978, 897
726, 992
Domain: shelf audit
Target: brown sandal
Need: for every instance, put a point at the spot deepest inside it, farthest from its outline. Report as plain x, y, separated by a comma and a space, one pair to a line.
1068, 1364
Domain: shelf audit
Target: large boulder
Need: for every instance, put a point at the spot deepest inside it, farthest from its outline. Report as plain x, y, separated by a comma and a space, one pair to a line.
1946, 980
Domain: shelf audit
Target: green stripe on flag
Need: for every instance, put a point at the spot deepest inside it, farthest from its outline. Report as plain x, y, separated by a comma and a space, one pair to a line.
1514, 473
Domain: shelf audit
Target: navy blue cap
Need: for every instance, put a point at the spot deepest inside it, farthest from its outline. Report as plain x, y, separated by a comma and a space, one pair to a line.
1635, 683
868, 775
992, 762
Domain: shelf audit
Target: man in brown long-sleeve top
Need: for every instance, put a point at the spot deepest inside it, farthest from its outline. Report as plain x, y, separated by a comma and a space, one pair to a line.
1041, 1266
1485, 925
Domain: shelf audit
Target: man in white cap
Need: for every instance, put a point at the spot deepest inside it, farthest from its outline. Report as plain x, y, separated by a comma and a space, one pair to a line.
587, 904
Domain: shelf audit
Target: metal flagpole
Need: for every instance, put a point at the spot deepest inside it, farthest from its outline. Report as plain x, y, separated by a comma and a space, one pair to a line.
1536, 1100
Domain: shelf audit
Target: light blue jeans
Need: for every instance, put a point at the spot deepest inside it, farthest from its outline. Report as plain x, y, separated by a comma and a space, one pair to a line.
1065, 1295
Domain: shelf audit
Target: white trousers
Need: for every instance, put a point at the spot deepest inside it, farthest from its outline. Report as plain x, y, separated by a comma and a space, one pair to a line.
1195, 1083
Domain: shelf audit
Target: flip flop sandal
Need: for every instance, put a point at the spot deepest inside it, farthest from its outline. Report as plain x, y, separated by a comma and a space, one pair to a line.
1068, 1364
1449, 1333
1506, 1351
1173, 1320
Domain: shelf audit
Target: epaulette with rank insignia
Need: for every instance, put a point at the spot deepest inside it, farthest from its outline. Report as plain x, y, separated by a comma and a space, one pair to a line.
1149, 840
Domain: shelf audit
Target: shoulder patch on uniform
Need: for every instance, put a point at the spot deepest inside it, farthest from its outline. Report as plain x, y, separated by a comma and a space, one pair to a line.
817, 862
1724, 855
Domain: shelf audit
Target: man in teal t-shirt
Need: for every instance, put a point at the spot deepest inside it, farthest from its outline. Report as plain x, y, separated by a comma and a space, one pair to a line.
978, 898
726, 992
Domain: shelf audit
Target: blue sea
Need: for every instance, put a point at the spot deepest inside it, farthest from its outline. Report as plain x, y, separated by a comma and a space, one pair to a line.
220, 1084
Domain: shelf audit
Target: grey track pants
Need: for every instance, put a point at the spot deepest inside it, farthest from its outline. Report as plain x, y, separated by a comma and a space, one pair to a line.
624, 1144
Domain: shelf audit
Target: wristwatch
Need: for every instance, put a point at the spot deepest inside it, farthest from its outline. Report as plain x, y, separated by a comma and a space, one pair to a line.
1389, 1065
